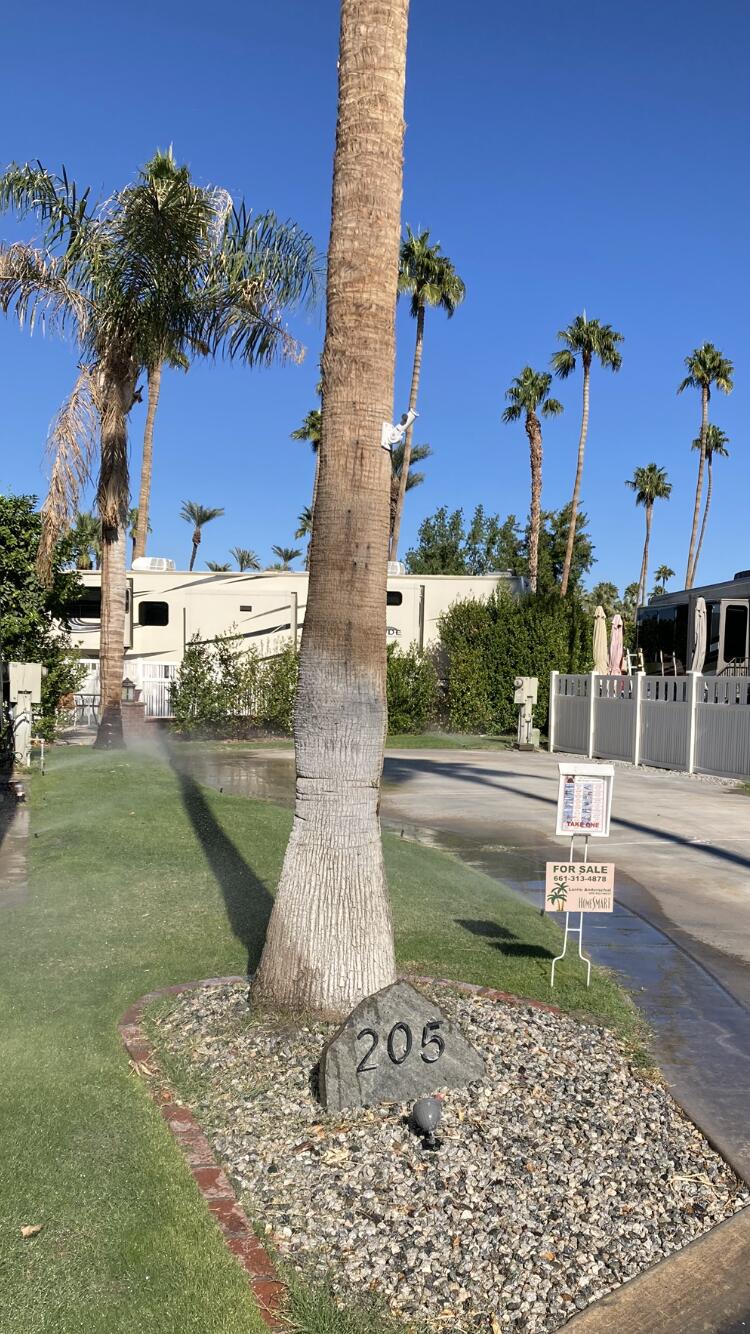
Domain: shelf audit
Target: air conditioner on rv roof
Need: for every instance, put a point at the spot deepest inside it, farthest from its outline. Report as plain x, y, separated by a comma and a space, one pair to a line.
153, 563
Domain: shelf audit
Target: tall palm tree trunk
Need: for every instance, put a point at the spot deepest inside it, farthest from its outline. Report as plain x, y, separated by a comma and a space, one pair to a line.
577, 484
144, 496
416, 371
534, 432
112, 502
196, 544
644, 563
709, 489
330, 937
691, 560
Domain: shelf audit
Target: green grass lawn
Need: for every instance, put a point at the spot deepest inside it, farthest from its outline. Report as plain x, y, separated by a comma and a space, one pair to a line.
140, 879
396, 741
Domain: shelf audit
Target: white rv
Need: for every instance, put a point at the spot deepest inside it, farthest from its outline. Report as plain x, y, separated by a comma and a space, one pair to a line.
167, 608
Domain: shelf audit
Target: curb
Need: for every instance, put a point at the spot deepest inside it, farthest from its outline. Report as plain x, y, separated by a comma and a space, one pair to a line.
208, 1175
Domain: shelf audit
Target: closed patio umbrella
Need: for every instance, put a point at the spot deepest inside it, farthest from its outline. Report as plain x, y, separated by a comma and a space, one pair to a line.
615, 647
601, 658
699, 636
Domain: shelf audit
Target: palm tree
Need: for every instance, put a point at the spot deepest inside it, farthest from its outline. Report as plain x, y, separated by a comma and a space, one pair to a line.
662, 575
716, 445
310, 431
198, 515
132, 525
304, 529
705, 367
165, 356
245, 558
431, 280
330, 937
418, 455
286, 555
154, 267
630, 601
529, 392
217, 566
86, 537
584, 340
650, 484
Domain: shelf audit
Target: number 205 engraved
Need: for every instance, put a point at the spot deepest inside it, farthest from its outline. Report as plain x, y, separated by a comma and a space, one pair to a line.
400, 1036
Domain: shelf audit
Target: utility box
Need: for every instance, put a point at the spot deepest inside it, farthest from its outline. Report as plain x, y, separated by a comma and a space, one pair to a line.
24, 680
525, 696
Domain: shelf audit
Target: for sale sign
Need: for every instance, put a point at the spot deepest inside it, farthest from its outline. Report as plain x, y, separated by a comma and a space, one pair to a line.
580, 887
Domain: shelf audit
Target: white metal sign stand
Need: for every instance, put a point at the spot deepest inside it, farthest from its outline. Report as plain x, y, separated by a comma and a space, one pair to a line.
574, 930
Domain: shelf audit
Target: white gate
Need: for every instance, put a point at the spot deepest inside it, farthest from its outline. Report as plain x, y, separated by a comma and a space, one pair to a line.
570, 712
722, 725
154, 680
666, 721
615, 716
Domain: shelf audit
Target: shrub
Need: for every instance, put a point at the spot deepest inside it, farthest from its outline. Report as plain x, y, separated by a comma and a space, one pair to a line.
488, 644
412, 689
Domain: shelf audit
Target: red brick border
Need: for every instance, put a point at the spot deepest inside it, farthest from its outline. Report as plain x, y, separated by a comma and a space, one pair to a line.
211, 1180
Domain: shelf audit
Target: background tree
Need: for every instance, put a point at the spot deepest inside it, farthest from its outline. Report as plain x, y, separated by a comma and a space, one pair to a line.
705, 367
304, 529
650, 484
153, 267
716, 445
86, 541
431, 280
418, 454
35, 615
554, 541
330, 937
218, 567
245, 558
310, 430
585, 340
662, 575
630, 602
605, 595
198, 515
529, 392
285, 556
446, 546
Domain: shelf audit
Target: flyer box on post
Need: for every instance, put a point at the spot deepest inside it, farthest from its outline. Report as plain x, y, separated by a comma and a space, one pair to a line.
584, 799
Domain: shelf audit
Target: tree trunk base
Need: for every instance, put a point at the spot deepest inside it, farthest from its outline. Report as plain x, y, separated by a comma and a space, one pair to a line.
109, 735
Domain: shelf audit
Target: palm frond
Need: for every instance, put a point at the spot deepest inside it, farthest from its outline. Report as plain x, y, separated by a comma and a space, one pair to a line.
563, 362
71, 446
55, 200
33, 282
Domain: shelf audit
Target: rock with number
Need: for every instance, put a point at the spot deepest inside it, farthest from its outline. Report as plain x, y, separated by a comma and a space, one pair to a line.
395, 1046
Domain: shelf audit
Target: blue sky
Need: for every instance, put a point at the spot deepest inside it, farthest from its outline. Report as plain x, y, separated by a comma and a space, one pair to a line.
565, 156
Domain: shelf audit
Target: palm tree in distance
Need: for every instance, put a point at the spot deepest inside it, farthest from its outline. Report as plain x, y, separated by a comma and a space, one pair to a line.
157, 265
418, 455
86, 538
650, 484
662, 575
431, 280
304, 529
286, 555
217, 566
585, 340
199, 516
529, 392
705, 367
716, 445
630, 601
310, 431
245, 558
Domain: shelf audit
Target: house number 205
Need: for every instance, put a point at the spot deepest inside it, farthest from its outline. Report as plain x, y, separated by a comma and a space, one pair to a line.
399, 1044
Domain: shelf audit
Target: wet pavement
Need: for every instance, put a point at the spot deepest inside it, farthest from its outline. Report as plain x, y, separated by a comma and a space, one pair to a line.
695, 996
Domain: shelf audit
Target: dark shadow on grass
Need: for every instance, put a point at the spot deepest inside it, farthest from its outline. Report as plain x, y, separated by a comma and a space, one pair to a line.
247, 901
504, 941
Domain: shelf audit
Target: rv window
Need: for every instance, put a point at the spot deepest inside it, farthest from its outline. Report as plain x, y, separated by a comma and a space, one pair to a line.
394, 599
245, 607
153, 613
713, 626
735, 633
88, 607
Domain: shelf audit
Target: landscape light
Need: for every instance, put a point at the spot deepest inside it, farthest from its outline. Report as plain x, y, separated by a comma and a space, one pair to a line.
425, 1115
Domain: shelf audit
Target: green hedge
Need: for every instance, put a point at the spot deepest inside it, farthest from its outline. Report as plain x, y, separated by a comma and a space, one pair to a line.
487, 644
225, 690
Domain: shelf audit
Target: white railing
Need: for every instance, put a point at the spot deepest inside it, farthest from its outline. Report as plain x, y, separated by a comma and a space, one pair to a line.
695, 723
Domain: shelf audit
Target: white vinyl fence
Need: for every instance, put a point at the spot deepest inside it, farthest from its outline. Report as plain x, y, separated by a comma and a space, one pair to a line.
696, 723
153, 680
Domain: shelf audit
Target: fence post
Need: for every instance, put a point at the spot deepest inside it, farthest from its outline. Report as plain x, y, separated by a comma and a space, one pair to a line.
592, 720
639, 679
552, 709
693, 718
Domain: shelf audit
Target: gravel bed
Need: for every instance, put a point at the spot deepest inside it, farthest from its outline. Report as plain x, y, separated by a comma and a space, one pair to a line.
561, 1174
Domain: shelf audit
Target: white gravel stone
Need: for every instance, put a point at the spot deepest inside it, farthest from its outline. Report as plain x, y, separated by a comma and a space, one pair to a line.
562, 1172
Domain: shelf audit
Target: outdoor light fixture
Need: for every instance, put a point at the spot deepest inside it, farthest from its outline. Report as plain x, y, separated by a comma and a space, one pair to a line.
128, 691
425, 1116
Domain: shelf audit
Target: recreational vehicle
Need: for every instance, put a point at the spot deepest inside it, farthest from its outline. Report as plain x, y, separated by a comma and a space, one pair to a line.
665, 629
166, 609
